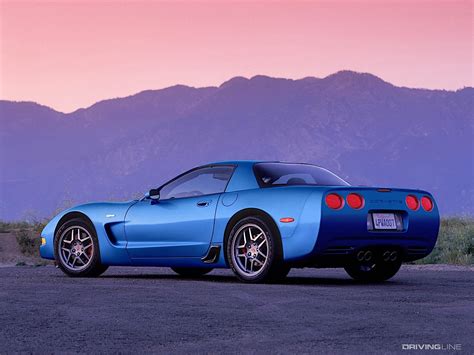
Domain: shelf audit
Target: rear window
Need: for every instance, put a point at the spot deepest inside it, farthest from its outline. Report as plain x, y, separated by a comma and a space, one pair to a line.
285, 174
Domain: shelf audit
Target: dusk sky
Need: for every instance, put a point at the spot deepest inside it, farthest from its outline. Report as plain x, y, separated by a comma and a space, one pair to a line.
70, 54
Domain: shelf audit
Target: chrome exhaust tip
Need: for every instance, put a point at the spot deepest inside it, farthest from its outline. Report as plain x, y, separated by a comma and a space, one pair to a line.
368, 255
360, 255
386, 256
393, 256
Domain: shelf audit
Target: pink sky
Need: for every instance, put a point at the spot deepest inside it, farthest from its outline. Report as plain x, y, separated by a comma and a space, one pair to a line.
70, 54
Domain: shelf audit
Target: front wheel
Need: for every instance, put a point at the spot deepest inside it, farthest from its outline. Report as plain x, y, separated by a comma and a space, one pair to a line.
373, 272
254, 251
76, 249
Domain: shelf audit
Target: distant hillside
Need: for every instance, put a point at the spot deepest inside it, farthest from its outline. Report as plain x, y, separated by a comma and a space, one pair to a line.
361, 127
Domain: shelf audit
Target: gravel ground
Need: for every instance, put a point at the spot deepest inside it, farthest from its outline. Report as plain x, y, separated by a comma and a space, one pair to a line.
153, 310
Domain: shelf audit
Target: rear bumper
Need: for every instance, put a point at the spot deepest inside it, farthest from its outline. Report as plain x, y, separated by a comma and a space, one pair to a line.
331, 249
336, 245
344, 232
341, 256
338, 252
328, 234
414, 243
415, 248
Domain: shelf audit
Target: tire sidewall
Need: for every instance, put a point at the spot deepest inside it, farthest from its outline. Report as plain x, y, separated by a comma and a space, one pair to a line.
272, 245
95, 263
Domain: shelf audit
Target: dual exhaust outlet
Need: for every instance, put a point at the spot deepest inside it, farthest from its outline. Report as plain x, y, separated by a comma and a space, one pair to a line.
368, 255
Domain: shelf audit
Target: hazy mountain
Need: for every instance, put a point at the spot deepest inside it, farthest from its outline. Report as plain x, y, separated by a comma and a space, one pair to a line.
367, 130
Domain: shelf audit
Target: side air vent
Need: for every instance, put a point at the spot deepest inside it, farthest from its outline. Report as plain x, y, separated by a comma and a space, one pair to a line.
110, 234
212, 255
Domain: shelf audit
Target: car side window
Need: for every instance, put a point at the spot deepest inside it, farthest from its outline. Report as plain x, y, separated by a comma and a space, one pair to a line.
295, 179
203, 181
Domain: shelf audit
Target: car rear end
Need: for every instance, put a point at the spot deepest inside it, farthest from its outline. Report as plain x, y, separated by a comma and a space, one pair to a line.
390, 224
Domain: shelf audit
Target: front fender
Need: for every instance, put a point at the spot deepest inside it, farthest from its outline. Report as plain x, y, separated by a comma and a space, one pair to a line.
108, 220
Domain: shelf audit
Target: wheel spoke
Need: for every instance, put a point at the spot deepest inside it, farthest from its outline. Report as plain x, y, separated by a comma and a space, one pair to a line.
87, 237
252, 239
68, 241
87, 258
79, 239
258, 236
258, 261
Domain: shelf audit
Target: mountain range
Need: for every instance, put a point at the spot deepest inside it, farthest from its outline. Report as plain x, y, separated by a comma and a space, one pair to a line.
367, 130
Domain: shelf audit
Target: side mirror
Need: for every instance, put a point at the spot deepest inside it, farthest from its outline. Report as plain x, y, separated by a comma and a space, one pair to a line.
154, 194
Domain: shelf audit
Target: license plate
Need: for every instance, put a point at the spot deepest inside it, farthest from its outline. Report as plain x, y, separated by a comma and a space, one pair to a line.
384, 221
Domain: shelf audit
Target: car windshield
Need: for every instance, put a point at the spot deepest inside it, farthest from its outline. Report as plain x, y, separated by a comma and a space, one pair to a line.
284, 174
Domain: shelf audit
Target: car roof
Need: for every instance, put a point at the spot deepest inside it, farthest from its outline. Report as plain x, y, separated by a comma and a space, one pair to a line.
240, 162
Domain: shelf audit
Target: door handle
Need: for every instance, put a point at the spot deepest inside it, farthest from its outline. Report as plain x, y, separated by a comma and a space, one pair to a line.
203, 203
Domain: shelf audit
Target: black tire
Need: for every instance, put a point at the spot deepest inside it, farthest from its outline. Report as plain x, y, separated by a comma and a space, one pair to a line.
273, 270
93, 267
380, 271
191, 272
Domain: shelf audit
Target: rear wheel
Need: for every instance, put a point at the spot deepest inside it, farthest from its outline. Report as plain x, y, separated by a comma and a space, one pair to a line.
254, 251
191, 272
76, 249
376, 271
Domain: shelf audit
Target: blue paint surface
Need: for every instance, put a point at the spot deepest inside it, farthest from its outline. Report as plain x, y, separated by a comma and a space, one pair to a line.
179, 232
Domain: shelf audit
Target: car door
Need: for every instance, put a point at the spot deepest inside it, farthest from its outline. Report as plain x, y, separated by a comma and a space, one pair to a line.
181, 222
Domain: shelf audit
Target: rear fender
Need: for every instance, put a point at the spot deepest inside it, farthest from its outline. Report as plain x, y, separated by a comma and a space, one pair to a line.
277, 203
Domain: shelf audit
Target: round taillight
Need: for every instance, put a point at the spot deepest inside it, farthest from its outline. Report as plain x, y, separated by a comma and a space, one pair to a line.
356, 201
412, 202
427, 203
334, 201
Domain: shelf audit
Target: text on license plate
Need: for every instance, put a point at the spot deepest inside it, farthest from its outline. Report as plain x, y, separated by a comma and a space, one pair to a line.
384, 221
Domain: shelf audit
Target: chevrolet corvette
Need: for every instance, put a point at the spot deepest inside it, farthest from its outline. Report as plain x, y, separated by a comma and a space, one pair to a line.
259, 219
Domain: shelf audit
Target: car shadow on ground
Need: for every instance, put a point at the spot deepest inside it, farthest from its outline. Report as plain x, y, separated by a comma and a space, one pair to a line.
289, 281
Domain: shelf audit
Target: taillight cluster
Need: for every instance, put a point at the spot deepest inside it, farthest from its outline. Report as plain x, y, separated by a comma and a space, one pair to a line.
414, 204
336, 201
356, 201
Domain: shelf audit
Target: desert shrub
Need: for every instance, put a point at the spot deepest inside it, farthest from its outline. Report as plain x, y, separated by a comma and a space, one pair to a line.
28, 242
6, 227
455, 243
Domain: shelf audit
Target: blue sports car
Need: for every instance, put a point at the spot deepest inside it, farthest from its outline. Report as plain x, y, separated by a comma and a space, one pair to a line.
258, 218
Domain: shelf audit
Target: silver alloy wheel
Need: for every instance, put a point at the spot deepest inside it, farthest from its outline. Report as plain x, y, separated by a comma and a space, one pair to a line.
250, 249
76, 248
